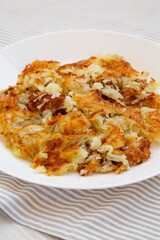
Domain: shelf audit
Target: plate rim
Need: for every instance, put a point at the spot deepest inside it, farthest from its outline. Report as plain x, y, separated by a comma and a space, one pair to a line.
75, 31
102, 186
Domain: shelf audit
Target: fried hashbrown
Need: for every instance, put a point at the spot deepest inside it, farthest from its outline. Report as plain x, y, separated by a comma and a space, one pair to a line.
94, 116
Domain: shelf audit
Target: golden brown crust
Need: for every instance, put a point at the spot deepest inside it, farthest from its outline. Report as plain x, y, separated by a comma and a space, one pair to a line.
118, 68
9, 97
42, 101
137, 152
39, 65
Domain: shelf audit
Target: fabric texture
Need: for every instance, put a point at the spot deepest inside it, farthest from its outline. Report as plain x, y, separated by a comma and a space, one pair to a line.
125, 213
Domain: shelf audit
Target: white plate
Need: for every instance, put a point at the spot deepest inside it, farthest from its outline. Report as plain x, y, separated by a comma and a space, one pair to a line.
69, 46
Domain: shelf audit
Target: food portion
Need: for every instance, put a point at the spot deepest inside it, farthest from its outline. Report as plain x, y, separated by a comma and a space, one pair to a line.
94, 116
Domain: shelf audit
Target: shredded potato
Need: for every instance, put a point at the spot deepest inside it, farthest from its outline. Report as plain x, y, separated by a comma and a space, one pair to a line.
94, 116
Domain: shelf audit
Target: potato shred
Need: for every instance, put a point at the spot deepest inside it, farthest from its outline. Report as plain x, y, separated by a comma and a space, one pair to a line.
94, 116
